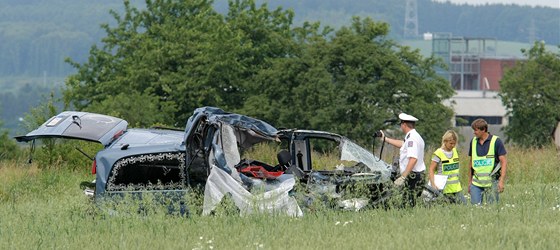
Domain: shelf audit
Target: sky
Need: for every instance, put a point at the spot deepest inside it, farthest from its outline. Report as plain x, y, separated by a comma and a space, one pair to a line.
545, 3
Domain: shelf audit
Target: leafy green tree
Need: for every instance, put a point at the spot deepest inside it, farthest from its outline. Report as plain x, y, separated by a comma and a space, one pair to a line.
181, 55
162, 62
531, 93
350, 82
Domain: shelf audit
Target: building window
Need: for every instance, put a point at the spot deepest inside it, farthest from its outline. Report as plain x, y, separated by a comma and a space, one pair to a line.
468, 81
462, 120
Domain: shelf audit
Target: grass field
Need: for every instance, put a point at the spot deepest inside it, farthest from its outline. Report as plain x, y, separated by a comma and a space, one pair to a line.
46, 209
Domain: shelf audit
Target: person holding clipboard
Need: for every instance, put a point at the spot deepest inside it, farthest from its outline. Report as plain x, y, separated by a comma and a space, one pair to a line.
444, 169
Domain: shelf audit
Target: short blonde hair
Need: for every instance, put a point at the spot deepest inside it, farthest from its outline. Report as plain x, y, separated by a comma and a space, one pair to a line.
449, 135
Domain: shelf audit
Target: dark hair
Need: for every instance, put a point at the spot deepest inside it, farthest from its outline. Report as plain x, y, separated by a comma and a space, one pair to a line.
480, 124
409, 124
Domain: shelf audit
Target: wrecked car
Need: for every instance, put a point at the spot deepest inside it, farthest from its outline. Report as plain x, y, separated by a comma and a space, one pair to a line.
132, 161
213, 154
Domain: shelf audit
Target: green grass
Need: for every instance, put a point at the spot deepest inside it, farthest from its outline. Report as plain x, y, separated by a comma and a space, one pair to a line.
45, 209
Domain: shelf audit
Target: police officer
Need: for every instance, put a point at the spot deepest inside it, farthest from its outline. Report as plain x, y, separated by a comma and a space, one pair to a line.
486, 152
445, 161
411, 159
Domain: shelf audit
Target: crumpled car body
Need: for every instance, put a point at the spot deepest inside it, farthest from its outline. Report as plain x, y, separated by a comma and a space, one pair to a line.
210, 155
133, 162
348, 165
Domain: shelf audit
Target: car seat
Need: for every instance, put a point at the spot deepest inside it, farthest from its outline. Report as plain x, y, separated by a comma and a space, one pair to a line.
285, 162
284, 159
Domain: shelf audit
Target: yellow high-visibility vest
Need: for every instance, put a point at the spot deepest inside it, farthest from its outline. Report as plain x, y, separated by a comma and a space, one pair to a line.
483, 164
450, 167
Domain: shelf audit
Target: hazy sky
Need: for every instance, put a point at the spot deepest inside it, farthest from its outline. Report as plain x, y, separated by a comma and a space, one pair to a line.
547, 3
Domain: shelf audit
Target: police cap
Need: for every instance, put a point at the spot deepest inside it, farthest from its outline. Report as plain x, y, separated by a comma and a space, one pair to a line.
407, 118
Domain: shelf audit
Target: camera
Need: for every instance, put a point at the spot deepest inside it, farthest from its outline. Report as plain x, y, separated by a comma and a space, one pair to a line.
378, 133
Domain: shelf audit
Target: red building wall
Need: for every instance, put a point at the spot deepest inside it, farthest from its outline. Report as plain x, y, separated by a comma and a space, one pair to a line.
493, 70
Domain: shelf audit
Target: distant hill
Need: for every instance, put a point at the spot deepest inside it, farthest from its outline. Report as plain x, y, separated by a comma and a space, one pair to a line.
37, 35
504, 22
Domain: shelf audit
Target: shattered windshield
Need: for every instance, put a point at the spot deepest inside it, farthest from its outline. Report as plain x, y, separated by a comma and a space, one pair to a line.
353, 152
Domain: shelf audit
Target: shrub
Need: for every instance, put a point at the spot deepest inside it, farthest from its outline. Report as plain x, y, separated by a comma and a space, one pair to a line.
9, 149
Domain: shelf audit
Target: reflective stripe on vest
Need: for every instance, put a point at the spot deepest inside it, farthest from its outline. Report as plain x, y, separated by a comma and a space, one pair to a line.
450, 167
483, 165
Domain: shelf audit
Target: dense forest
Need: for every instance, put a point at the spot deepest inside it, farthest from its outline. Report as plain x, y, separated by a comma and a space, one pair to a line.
37, 35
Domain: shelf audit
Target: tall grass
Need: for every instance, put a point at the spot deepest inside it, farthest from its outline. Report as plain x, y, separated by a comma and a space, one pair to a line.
45, 208
531, 165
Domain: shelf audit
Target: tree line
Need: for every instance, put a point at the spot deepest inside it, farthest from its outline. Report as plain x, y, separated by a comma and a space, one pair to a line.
178, 56
159, 63
37, 35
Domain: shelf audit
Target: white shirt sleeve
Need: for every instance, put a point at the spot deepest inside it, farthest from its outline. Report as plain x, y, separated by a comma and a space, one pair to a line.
436, 158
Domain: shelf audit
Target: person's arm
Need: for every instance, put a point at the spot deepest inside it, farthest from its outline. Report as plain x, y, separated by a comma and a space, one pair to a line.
432, 171
501, 152
401, 180
502, 180
394, 142
411, 162
412, 153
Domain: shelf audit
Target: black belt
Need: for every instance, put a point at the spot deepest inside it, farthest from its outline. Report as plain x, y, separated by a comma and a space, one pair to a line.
413, 174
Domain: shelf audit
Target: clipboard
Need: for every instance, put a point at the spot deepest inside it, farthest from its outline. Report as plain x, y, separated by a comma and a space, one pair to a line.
440, 181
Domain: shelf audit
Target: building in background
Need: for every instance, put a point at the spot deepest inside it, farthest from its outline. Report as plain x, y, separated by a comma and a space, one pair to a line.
474, 70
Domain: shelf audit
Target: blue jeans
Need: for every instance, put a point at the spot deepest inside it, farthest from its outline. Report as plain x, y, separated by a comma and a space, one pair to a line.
491, 193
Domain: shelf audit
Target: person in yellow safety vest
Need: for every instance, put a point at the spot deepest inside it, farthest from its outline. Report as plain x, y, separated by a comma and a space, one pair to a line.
486, 153
446, 161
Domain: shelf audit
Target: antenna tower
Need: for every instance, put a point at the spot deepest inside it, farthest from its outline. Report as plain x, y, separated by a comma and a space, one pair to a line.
532, 32
411, 19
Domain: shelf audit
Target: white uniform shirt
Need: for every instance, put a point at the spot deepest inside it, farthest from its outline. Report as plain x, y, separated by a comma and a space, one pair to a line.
413, 146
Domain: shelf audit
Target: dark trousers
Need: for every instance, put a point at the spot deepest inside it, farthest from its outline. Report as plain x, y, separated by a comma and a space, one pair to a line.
413, 188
